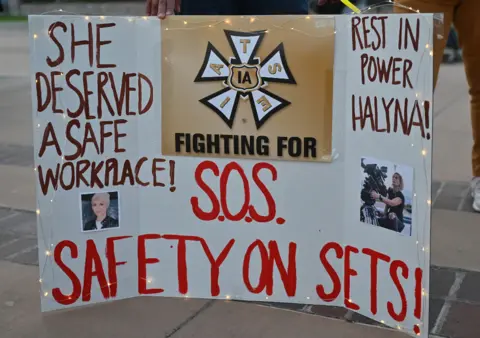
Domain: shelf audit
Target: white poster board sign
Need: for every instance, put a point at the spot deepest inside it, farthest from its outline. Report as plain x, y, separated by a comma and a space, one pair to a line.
118, 219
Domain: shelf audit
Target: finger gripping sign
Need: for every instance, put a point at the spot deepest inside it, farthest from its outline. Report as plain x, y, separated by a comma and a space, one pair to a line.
279, 159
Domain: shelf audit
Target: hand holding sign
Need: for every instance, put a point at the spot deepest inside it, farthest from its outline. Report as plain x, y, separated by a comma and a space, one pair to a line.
162, 8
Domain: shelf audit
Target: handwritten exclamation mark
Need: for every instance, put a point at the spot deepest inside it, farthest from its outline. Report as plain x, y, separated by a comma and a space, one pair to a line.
426, 104
417, 312
172, 176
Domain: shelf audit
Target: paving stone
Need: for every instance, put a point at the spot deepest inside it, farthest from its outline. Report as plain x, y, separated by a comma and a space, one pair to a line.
6, 238
435, 186
358, 318
6, 214
329, 311
22, 223
451, 195
27, 258
441, 281
452, 188
447, 202
287, 306
468, 204
18, 246
16, 155
470, 288
462, 321
434, 308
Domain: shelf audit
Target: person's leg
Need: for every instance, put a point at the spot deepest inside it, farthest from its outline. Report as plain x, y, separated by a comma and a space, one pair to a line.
399, 226
433, 6
386, 223
468, 29
209, 7
277, 7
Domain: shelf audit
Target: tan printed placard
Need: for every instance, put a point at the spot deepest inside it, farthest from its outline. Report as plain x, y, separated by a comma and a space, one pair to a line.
248, 87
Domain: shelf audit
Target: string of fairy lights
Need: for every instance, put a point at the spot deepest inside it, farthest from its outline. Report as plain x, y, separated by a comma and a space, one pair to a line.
208, 25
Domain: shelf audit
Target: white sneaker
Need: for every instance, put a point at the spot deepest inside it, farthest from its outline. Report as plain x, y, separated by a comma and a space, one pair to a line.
476, 193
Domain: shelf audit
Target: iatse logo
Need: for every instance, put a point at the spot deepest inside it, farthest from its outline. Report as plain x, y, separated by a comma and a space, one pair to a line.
245, 76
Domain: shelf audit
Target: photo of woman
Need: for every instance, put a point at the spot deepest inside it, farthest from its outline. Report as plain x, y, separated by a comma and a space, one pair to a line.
100, 211
386, 195
394, 201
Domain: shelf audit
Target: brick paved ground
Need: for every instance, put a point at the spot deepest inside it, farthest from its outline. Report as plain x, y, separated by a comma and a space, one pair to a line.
454, 294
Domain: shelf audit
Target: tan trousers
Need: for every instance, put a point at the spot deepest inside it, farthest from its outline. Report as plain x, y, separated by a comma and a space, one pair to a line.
465, 16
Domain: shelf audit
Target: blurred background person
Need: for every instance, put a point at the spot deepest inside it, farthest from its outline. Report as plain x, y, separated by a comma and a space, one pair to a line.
453, 52
462, 15
163, 8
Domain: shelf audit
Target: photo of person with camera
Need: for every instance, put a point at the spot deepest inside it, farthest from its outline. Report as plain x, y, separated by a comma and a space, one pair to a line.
386, 199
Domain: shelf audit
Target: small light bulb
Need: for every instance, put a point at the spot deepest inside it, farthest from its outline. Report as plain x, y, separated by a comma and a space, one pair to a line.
429, 202
266, 297
228, 297
423, 249
431, 53
149, 280
417, 242
47, 253
35, 169
382, 321
38, 211
102, 17
227, 21
86, 18
427, 46
45, 294
210, 26
38, 125
130, 19
145, 18
308, 18
252, 19
35, 36
424, 152
40, 280
185, 22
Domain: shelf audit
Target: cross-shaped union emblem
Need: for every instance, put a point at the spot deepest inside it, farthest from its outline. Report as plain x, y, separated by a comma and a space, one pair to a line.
245, 76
